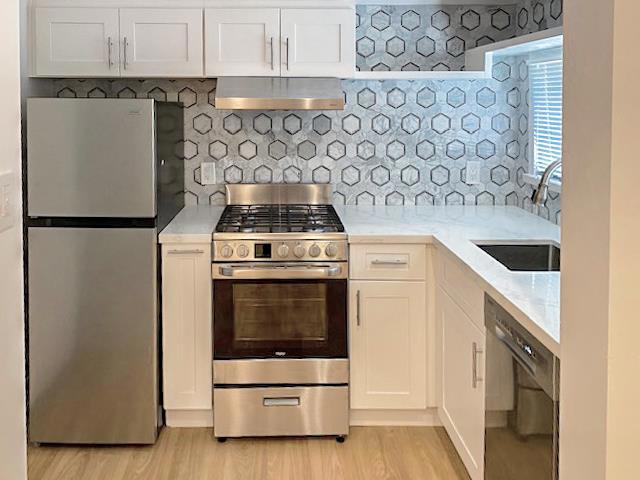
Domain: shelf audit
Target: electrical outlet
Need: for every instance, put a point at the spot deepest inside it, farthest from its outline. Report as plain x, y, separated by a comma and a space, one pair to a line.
208, 173
473, 172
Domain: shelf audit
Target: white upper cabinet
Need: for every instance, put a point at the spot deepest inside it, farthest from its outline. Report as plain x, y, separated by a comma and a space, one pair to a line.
76, 42
387, 345
242, 42
175, 42
161, 42
318, 42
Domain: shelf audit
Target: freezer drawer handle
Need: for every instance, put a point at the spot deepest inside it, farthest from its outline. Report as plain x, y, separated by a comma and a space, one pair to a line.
281, 401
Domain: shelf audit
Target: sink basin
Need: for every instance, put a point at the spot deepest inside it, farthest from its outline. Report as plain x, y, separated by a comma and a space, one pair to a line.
526, 257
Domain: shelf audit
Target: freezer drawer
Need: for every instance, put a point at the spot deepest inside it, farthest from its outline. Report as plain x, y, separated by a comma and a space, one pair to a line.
281, 411
91, 158
93, 335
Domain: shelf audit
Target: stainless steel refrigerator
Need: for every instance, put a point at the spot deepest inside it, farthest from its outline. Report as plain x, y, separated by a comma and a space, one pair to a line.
104, 176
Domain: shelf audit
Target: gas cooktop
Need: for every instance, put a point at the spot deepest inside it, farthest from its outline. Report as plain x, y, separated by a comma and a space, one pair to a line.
279, 223
279, 219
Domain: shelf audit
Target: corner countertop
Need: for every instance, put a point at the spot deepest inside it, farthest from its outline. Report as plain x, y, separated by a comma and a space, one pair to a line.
533, 298
192, 225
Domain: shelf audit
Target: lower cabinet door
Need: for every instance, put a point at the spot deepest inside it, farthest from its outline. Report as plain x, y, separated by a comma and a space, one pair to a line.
186, 324
387, 338
463, 398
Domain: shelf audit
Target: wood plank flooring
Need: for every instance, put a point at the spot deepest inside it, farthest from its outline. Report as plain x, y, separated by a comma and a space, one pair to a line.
370, 453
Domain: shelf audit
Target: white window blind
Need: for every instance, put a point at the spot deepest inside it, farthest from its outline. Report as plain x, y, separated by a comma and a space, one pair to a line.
545, 77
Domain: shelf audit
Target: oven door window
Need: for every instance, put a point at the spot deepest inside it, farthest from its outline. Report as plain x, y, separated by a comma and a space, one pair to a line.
284, 318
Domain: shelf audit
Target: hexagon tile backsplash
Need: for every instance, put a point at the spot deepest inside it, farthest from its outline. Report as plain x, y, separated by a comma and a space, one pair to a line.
423, 37
396, 142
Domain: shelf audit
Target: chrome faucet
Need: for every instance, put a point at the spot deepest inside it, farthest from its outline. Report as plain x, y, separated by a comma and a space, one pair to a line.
540, 194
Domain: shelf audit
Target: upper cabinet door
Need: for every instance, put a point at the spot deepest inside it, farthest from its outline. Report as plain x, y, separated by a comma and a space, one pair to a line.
318, 42
242, 42
76, 42
161, 42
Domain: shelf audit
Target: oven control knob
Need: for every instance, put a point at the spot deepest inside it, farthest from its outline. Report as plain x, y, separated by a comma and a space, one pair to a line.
226, 251
314, 250
299, 250
331, 250
242, 251
283, 251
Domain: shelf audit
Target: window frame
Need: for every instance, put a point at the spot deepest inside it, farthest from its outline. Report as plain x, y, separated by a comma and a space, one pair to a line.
532, 176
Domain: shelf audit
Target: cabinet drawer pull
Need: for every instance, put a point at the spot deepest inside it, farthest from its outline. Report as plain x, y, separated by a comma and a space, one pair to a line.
125, 61
186, 252
389, 262
287, 47
271, 43
475, 377
281, 401
109, 50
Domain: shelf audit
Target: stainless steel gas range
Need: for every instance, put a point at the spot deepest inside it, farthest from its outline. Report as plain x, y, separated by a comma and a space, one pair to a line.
280, 266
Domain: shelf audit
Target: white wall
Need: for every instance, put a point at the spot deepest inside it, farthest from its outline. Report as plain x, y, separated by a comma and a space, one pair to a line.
600, 365
12, 377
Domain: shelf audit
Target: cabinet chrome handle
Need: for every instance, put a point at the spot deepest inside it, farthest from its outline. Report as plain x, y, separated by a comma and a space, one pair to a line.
125, 59
475, 377
109, 49
287, 46
389, 262
358, 308
271, 43
186, 252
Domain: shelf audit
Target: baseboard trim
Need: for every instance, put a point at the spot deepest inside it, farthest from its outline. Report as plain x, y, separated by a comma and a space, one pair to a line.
189, 418
399, 418
357, 418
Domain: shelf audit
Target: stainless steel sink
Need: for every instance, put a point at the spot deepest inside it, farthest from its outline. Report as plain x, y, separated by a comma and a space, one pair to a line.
526, 257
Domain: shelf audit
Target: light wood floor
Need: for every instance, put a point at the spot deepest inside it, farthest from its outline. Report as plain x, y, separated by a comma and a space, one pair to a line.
370, 453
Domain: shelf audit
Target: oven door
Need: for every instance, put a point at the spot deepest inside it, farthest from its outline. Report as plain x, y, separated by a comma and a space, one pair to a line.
280, 311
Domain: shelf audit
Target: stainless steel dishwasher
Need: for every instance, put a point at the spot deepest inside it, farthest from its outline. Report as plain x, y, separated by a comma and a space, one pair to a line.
521, 412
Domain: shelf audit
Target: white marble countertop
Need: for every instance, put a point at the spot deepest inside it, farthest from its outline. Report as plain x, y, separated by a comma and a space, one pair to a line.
192, 225
533, 298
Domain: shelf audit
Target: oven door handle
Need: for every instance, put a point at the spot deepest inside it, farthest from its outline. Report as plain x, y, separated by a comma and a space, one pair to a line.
280, 271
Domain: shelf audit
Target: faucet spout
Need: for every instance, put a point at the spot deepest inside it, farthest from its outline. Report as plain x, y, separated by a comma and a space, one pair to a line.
540, 194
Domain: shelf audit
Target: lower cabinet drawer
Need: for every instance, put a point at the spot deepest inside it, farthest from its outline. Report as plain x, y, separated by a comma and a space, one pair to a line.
281, 411
387, 262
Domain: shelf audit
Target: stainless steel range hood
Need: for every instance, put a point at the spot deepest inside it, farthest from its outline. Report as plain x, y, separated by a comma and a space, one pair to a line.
269, 93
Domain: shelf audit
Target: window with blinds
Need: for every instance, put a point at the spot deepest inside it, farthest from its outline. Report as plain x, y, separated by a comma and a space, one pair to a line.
545, 77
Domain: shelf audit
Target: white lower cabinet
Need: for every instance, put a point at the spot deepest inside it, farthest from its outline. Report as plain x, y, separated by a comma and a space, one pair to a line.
387, 343
186, 324
463, 394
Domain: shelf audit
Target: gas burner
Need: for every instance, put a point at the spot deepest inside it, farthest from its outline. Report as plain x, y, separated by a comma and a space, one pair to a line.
279, 219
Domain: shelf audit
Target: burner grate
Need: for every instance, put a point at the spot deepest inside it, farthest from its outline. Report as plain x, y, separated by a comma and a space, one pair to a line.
279, 219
